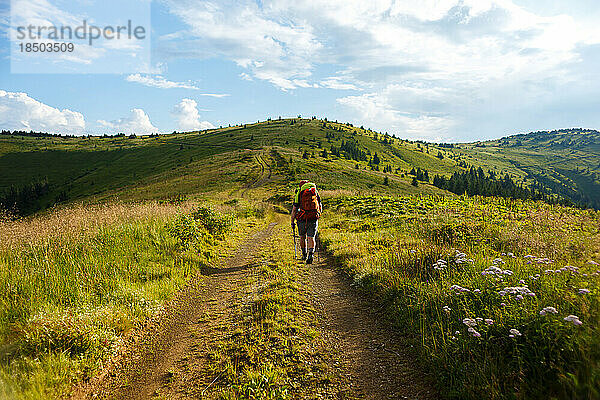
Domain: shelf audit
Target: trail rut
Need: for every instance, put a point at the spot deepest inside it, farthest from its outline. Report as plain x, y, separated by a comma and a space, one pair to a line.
168, 361
375, 358
172, 359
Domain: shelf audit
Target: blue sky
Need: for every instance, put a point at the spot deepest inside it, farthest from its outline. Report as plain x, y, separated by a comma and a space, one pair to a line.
444, 70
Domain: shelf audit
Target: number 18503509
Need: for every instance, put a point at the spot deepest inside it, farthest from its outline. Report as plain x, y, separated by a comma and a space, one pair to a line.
63, 47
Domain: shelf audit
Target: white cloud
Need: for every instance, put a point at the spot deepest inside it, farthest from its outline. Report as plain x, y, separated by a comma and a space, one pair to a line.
137, 122
338, 84
188, 118
18, 111
382, 111
430, 64
270, 48
162, 83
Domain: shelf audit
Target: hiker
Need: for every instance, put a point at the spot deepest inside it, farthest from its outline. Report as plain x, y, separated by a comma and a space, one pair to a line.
306, 211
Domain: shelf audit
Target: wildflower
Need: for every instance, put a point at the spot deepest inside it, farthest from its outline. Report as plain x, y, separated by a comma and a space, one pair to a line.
473, 332
470, 322
459, 289
593, 262
476, 291
461, 258
548, 310
457, 333
584, 291
574, 319
493, 270
498, 261
517, 291
521, 282
489, 321
514, 333
478, 319
503, 304
447, 309
439, 265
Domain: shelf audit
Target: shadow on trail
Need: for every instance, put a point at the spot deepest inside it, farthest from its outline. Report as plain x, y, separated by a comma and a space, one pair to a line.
210, 271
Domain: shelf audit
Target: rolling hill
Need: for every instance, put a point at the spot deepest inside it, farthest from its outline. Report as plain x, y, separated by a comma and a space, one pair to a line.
38, 172
563, 162
498, 297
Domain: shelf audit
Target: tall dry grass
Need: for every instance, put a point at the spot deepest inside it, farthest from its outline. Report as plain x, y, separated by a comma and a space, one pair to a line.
74, 222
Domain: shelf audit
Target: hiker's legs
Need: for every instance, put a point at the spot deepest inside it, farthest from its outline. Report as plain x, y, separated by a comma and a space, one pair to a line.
311, 232
302, 234
303, 242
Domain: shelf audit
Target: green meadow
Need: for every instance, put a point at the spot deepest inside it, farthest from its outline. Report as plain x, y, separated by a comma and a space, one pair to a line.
500, 296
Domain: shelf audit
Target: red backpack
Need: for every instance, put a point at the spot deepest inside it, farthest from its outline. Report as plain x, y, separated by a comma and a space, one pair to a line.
309, 204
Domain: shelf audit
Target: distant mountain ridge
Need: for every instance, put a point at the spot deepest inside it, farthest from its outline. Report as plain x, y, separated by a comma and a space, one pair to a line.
565, 161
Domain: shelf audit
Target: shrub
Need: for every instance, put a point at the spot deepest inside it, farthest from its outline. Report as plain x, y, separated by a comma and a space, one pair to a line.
185, 229
213, 221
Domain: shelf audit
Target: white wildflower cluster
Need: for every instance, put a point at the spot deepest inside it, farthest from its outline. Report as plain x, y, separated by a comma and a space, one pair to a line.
567, 268
447, 309
459, 289
498, 261
472, 323
534, 277
593, 262
497, 271
511, 255
574, 319
461, 258
548, 310
514, 333
473, 332
584, 291
517, 291
570, 318
440, 265
543, 260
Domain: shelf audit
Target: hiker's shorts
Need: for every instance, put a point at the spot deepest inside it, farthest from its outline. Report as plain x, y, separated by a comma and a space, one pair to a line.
308, 228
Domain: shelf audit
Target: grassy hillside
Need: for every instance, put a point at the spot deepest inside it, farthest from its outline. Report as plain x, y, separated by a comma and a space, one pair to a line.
77, 279
501, 296
337, 156
201, 162
565, 162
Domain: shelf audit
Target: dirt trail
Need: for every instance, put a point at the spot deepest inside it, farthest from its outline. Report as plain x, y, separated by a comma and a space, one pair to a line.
172, 359
265, 175
169, 361
376, 359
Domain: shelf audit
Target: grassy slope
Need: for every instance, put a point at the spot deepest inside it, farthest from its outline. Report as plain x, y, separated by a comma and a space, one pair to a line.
223, 162
391, 247
567, 161
158, 167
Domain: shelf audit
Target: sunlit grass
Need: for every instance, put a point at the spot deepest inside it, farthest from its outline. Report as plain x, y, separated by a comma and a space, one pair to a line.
477, 311
76, 282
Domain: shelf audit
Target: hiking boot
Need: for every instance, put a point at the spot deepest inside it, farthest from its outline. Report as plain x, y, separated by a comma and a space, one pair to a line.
309, 259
